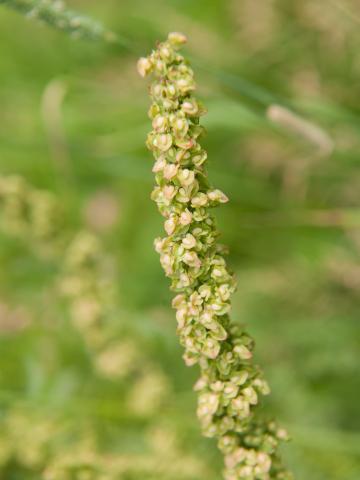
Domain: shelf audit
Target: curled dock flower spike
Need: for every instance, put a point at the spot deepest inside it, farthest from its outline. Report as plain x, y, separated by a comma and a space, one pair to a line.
230, 385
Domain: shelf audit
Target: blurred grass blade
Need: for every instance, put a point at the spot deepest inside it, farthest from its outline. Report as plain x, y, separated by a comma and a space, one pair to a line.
299, 126
238, 84
55, 14
51, 110
346, 10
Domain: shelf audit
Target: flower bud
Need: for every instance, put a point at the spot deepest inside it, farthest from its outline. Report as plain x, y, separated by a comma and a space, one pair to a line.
242, 352
185, 217
190, 107
170, 225
177, 39
180, 127
163, 141
200, 200
159, 123
144, 66
159, 165
186, 177
217, 196
191, 259
211, 348
189, 241
170, 171
250, 395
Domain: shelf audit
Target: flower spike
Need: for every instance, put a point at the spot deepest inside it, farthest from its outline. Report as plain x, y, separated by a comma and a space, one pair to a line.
230, 385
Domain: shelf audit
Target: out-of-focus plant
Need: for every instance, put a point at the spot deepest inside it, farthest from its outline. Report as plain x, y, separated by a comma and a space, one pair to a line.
55, 14
87, 281
230, 385
30, 213
52, 445
56, 449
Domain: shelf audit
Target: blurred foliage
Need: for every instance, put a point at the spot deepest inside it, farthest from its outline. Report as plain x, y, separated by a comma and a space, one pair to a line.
74, 123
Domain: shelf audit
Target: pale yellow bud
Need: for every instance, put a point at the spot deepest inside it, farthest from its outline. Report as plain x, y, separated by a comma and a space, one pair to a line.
186, 177
170, 225
171, 90
211, 348
190, 107
231, 390
262, 386
217, 386
144, 66
207, 319
160, 66
177, 39
159, 123
185, 85
163, 141
191, 259
205, 291
246, 472
157, 90
159, 165
181, 317
240, 378
159, 244
189, 241
208, 404
217, 196
190, 359
200, 200
240, 406
170, 171
184, 194
180, 127
250, 395
180, 124
169, 192
182, 154
217, 273
264, 462
282, 434
166, 262
240, 455
165, 52
200, 384
185, 217
184, 280
243, 352
178, 301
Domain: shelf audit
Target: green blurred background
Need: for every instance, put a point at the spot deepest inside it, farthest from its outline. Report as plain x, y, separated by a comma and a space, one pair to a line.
73, 121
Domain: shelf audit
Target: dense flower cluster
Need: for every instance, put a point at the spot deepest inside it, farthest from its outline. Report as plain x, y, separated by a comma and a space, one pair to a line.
230, 385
